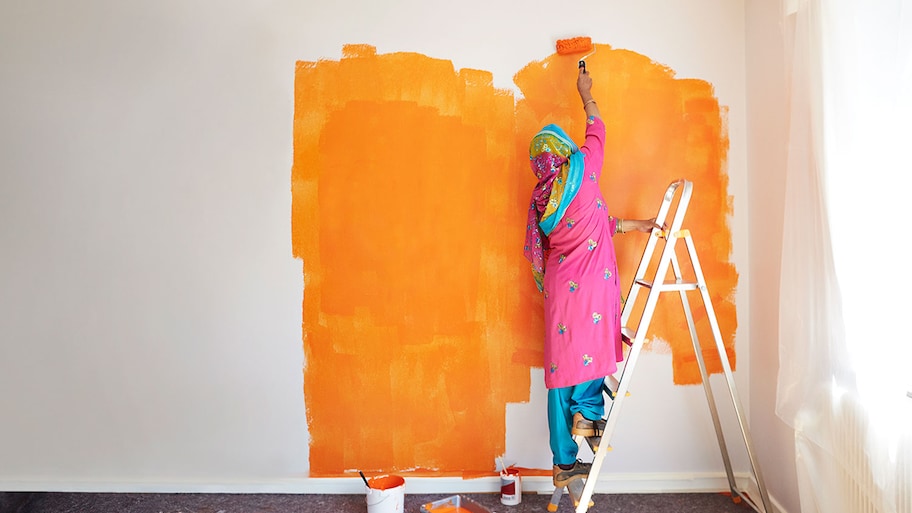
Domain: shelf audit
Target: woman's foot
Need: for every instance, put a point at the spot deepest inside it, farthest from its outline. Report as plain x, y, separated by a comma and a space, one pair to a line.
591, 429
585, 427
562, 476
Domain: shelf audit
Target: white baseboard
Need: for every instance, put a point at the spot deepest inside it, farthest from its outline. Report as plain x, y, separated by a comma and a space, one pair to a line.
607, 483
753, 490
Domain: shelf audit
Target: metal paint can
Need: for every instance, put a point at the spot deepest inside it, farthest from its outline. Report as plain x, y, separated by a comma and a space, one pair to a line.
510, 487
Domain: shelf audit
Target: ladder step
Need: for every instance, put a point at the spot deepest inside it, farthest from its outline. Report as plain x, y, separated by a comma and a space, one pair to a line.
669, 286
627, 335
610, 390
575, 488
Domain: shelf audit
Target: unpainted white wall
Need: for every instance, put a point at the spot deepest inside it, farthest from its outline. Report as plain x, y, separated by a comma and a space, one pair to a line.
767, 139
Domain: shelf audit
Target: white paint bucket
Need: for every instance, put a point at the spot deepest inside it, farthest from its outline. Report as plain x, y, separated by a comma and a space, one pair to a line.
386, 494
510, 487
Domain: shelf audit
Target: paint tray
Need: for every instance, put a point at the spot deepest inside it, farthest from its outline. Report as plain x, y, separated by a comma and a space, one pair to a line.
454, 504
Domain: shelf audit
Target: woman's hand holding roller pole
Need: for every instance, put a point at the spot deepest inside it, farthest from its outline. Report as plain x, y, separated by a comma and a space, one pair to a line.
584, 86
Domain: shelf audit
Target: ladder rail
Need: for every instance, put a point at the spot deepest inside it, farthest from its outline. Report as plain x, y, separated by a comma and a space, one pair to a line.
669, 258
729, 377
610, 423
646, 257
623, 385
704, 375
637, 343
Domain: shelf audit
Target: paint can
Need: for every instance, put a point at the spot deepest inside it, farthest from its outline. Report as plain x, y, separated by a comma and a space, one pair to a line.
386, 494
510, 487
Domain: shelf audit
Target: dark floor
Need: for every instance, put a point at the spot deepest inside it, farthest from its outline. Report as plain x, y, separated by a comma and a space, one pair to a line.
24, 502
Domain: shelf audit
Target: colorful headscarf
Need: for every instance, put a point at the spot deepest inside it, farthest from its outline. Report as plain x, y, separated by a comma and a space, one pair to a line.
558, 165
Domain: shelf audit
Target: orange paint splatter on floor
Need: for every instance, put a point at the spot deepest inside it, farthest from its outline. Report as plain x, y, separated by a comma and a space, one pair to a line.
410, 186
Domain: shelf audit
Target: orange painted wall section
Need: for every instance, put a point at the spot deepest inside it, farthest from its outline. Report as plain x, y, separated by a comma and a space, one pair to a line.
407, 214
658, 129
410, 185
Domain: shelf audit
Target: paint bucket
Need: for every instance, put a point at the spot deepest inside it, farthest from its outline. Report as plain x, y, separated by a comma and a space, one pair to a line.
510, 487
386, 494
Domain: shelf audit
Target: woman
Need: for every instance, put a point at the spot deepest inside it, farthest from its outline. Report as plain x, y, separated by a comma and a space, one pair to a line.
569, 242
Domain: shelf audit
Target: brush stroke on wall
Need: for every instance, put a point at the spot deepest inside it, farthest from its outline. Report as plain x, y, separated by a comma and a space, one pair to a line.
410, 186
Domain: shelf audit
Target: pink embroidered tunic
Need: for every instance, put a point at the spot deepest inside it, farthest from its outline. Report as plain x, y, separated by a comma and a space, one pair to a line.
581, 288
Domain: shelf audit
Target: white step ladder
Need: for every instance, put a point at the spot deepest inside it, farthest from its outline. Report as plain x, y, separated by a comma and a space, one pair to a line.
617, 390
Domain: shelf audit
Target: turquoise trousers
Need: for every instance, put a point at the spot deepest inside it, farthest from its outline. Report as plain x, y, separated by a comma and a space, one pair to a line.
563, 403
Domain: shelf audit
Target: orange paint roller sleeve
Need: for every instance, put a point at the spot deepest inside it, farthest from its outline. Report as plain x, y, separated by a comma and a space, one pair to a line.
574, 45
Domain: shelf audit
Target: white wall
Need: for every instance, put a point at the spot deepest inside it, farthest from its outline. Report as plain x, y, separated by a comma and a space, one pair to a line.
149, 305
767, 144
150, 308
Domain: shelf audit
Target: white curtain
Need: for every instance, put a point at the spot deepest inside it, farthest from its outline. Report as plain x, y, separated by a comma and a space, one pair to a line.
846, 289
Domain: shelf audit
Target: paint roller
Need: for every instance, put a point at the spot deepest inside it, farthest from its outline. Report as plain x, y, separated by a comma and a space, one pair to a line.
575, 45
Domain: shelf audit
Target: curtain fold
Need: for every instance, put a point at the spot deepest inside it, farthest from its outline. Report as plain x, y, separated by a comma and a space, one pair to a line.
844, 344
812, 345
